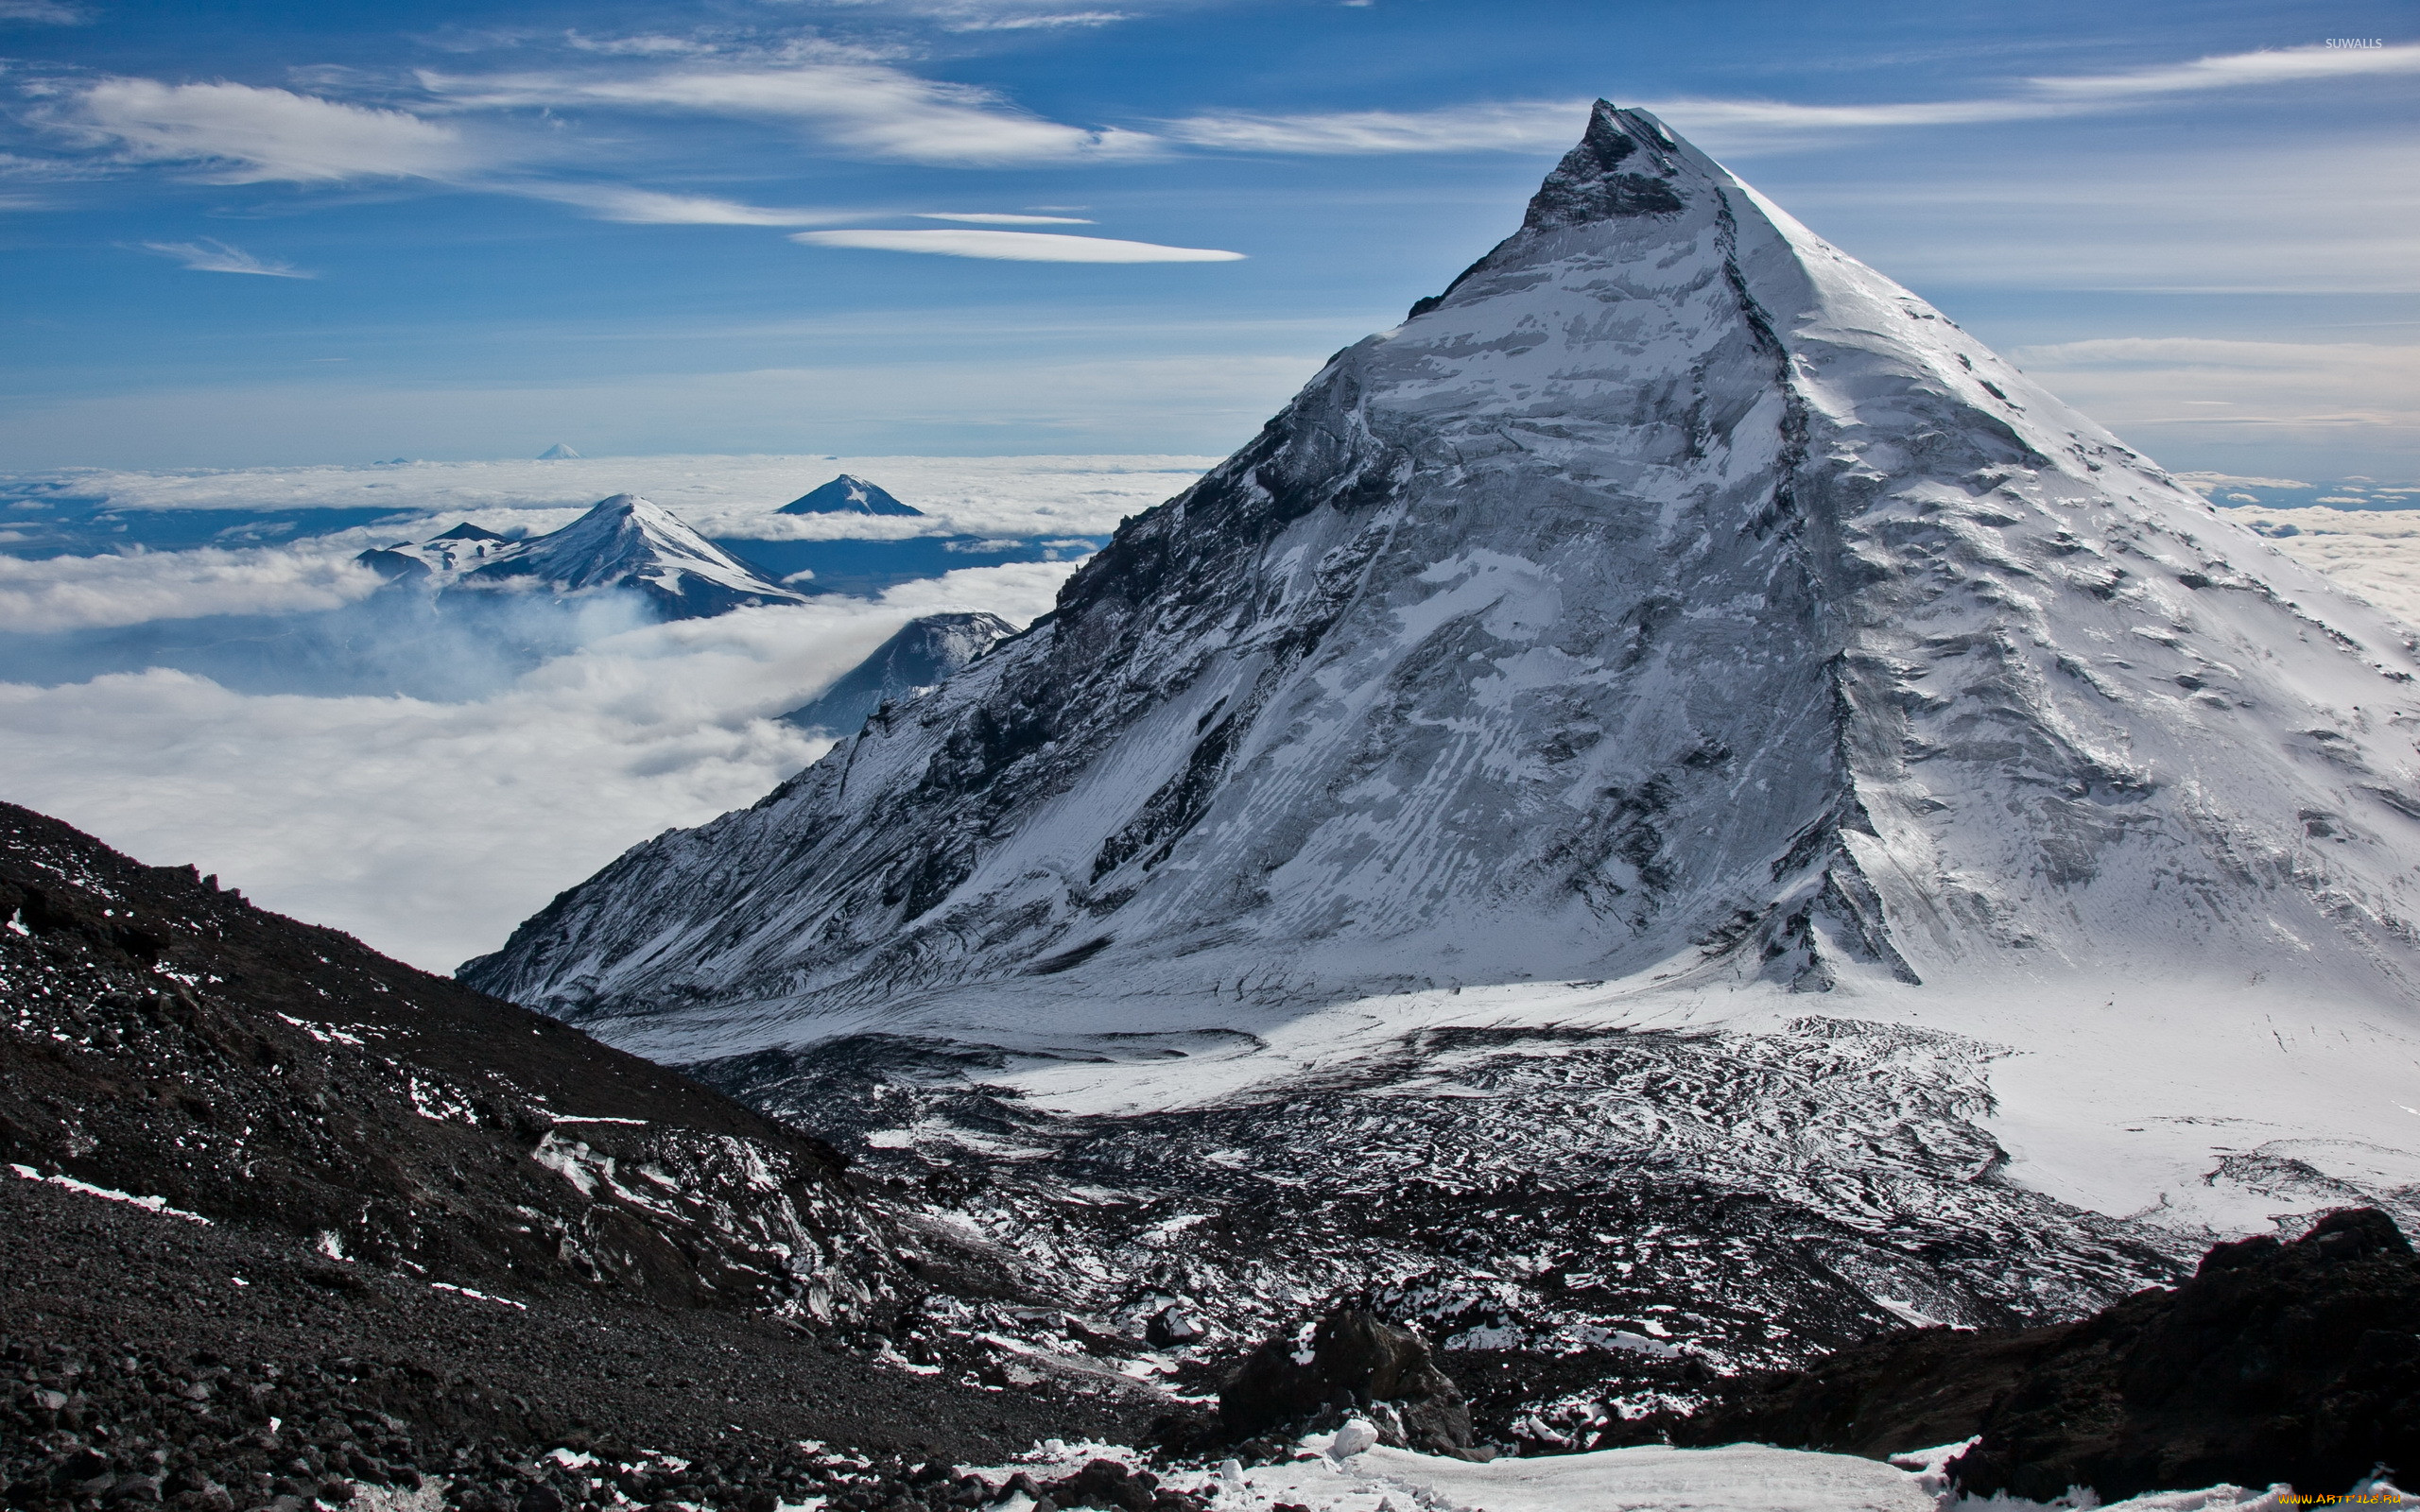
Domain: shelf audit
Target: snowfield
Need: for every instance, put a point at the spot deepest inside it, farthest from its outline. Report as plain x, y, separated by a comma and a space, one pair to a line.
1740, 1478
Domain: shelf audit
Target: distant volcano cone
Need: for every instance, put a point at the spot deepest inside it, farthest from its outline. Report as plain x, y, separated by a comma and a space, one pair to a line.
624, 544
847, 495
558, 453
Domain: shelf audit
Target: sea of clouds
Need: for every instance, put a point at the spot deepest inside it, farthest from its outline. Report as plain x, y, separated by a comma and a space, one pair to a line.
430, 822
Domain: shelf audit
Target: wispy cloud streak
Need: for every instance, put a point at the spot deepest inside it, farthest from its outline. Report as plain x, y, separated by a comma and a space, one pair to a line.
854, 105
654, 208
986, 218
1734, 123
1016, 245
239, 133
43, 13
208, 256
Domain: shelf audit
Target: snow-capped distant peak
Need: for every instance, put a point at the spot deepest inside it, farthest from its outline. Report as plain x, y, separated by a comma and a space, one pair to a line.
847, 495
622, 542
559, 452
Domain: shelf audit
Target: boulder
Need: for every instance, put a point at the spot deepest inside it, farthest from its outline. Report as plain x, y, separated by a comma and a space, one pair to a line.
1359, 1362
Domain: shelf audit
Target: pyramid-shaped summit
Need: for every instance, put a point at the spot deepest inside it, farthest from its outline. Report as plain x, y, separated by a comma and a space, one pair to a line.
1674, 606
847, 495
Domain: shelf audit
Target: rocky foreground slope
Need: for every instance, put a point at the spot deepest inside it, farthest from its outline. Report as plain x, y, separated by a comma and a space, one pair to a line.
277, 1212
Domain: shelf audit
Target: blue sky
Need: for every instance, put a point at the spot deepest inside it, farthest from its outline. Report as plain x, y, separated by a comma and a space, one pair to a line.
255, 234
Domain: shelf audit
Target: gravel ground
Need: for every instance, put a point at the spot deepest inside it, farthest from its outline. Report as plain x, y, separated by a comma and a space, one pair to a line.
129, 1351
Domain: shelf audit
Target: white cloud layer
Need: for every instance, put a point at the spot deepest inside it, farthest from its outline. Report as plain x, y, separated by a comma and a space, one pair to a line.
1535, 125
242, 134
2329, 214
2284, 65
1014, 245
86, 593
1198, 395
2376, 552
730, 496
430, 830
2327, 406
212, 256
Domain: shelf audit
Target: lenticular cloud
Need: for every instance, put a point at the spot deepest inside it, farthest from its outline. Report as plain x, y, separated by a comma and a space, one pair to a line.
1016, 245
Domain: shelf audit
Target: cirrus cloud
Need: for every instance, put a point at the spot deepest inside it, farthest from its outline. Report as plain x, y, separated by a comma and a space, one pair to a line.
648, 207
212, 256
856, 105
239, 133
1743, 125
1016, 245
991, 219
44, 12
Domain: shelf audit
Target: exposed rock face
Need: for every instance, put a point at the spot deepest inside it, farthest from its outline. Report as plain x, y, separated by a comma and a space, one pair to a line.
927, 651
2295, 1363
2277, 1362
1359, 1362
1674, 597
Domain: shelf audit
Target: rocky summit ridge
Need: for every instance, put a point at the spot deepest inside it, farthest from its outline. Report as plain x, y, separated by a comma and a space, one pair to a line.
1677, 726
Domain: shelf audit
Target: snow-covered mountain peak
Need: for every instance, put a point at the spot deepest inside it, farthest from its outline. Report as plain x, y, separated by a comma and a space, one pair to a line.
1673, 603
623, 543
847, 494
629, 541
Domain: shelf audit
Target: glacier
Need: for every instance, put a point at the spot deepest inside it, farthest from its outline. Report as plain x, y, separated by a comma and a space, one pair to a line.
1675, 715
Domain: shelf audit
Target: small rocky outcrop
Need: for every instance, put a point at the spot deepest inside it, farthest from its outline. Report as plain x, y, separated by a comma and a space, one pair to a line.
1105, 1483
2277, 1362
1359, 1363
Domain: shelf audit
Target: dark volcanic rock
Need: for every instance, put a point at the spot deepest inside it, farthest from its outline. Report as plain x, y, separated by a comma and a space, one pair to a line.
1358, 1360
125, 1334
1105, 1483
1902, 1391
288, 1219
2277, 1362
2296, 1362
166, 1038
